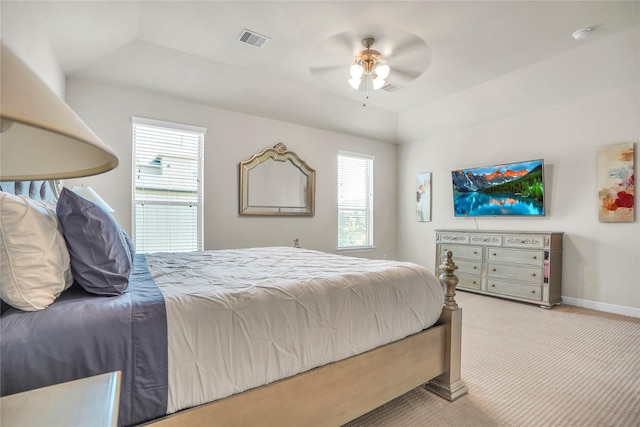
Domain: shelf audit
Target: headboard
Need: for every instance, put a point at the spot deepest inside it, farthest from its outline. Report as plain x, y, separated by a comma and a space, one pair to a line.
36, 190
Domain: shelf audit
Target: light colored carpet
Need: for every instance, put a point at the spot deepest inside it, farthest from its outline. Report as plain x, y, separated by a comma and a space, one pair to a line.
528, 366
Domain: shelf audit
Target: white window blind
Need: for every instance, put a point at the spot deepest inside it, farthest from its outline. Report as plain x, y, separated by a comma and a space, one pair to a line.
355, 201
167, 186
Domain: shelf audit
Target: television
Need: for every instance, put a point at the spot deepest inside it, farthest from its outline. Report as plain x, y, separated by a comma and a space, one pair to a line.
515, 189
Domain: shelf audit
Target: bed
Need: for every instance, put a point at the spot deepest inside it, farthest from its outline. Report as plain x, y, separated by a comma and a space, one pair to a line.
254, 336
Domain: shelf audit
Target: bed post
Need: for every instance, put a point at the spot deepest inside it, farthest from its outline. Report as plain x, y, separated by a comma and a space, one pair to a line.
449, 385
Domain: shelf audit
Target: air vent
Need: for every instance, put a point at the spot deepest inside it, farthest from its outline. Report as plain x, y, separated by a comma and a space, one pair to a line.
252, 38
391, 87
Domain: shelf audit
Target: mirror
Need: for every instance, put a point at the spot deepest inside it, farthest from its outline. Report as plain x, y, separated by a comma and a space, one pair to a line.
277, 182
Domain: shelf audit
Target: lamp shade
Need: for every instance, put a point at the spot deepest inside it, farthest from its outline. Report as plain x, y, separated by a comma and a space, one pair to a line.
40, 136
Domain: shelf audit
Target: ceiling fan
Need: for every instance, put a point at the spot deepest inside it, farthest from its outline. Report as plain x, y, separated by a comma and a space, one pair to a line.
341, 62
369, 66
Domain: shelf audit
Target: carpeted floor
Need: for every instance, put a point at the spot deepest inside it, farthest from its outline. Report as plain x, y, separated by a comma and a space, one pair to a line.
528, 366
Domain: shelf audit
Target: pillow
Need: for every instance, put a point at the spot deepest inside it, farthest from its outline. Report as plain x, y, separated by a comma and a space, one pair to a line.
100, 256
35, 266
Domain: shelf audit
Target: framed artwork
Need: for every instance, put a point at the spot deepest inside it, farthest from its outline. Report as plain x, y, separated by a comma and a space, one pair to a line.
616, 183
423, 197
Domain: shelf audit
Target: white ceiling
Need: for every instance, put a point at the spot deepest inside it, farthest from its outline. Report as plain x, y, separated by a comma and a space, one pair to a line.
190, 50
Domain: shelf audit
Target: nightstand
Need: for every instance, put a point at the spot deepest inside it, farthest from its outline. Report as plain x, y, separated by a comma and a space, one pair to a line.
92, 401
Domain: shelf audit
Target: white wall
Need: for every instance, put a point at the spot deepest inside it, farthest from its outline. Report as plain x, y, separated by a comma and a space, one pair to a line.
231, 138
595, 90
23, 31
601, 260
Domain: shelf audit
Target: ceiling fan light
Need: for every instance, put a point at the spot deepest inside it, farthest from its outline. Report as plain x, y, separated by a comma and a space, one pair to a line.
378, 83
355, 82
356, 71
383, 71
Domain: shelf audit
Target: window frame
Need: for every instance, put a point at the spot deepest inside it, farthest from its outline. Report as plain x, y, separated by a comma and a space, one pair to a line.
199, 203
370, 245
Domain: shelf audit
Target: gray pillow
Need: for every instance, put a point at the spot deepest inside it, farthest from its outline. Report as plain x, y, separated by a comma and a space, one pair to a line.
101, 258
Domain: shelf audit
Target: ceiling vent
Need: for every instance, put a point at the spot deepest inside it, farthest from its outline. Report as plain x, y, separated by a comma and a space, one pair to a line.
391, 87
252, 38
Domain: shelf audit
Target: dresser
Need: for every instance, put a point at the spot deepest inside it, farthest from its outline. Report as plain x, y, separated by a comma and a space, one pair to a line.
519, 265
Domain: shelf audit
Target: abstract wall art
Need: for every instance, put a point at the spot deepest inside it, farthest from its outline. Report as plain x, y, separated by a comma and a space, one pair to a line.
423, 197
616, 183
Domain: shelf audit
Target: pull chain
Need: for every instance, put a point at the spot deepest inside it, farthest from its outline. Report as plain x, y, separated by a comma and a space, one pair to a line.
366, 88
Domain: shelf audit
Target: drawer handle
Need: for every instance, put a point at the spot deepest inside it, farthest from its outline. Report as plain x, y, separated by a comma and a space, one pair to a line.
493, 269
495, 254
533, 274
474, 282
534, 257
475, 268
475, 252
533, 292
493, 285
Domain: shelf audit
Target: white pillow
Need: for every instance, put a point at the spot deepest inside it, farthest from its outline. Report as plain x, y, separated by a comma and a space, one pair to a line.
35, 266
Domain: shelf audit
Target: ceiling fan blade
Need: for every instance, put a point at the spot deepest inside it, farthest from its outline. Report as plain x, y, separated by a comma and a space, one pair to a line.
343, 46
330, 69
332, 55
403, 75
409, 59
409, 51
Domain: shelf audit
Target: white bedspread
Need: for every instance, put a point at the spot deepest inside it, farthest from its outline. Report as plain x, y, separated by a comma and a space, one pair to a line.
238, 319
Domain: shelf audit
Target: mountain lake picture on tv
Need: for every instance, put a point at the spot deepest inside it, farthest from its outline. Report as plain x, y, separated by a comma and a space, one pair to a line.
515, 189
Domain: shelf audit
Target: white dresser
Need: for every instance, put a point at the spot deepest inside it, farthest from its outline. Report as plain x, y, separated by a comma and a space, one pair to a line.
520, 265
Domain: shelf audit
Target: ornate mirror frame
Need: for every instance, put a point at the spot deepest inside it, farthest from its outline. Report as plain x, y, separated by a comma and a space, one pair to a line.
278, 153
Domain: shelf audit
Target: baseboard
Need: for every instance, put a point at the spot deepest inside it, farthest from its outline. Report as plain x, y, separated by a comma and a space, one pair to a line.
602, 306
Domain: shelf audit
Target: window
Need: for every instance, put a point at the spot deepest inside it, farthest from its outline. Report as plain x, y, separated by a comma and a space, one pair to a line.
167, 186
355, 201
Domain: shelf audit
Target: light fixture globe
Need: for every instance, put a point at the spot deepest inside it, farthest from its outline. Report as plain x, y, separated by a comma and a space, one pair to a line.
377, 83
356, 71
382, 71
355, 82
368, 64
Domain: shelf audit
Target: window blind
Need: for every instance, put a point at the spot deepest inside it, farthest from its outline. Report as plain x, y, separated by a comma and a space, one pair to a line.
355, 200
167, 186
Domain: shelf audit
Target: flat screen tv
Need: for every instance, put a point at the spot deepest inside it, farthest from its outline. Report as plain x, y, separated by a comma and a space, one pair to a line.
515, 189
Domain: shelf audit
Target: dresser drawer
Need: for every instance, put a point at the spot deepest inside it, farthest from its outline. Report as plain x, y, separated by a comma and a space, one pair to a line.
531, 292
525, 241
473, 268
517, 272
469, 267
521, 257
486, 239
459, 251
468, 281
452, 237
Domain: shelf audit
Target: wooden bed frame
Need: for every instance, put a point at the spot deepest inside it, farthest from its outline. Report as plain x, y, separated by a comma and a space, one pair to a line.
339, 392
